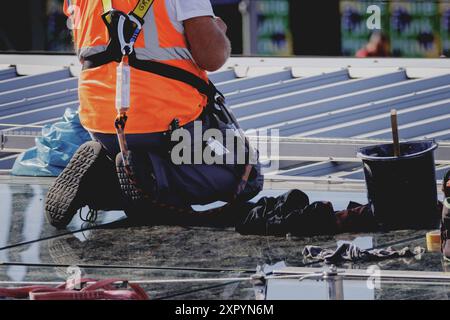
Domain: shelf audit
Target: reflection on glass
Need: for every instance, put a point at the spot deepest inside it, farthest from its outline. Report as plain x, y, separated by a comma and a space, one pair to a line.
316, 290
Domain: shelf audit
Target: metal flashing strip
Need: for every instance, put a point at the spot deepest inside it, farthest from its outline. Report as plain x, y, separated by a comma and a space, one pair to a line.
382, 274
320, 169
16, 143
249, 62
337, 62
40, 59
315, 180
332, 149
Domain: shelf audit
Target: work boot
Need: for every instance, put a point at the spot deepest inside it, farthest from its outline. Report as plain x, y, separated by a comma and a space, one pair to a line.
445, 222
315, 219
88, 180
137, 182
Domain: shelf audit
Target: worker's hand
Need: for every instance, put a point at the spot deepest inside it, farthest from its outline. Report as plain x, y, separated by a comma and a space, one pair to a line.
221, 24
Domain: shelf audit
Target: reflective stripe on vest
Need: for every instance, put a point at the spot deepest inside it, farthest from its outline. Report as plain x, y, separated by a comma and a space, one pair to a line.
153, 50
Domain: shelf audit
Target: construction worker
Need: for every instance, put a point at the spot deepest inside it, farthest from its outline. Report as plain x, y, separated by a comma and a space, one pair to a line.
378, 46
163, 48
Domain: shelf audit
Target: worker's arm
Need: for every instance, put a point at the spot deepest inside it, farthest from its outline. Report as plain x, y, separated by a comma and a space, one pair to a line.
208, 42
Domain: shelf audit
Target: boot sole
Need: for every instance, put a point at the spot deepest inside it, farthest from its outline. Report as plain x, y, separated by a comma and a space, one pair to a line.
129, 189
62, 200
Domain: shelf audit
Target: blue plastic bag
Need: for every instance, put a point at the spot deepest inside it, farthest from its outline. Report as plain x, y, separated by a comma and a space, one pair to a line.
54, 148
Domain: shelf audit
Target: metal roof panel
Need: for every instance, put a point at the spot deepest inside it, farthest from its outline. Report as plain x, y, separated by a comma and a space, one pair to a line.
421, 127
294, 99
364, 127
8, 73
297, 113
38, 102
222, 76
254, 82
326, 120
38, 90
28, 81
322, 104
277, 89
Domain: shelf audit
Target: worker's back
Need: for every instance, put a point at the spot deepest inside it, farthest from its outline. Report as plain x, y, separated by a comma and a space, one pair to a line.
155, 100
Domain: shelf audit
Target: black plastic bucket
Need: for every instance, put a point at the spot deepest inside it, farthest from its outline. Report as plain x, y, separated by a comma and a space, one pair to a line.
402, 190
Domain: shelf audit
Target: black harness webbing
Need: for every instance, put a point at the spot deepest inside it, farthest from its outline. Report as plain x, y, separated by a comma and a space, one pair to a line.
158, 68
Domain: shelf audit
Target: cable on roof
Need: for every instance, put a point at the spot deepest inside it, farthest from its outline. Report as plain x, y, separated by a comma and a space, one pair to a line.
50, 265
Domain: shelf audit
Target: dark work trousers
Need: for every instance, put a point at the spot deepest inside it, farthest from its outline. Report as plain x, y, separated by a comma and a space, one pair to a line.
179, 185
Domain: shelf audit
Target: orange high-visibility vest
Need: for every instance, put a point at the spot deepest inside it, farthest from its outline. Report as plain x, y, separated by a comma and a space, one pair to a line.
155, 100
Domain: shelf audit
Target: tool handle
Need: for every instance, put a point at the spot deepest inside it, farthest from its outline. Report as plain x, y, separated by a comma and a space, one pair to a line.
395, 138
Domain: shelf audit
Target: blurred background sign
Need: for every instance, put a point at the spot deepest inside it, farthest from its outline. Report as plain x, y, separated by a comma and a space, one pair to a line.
354, 30
444, 10
266, 27
415, 29
58, 35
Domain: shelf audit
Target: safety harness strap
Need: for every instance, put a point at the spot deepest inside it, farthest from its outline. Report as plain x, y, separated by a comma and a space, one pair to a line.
158, 68
142, 8
175, 73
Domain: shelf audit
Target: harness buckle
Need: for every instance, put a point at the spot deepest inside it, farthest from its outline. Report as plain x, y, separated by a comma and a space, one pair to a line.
174, 125
120, 121
127, 48
124, 29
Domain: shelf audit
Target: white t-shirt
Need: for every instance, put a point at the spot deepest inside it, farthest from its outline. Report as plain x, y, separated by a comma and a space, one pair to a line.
181, 10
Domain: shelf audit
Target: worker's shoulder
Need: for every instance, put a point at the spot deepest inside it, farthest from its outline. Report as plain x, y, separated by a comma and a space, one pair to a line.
191, 5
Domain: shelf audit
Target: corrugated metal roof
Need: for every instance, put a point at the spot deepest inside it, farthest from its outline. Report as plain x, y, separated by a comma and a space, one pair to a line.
301, 102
